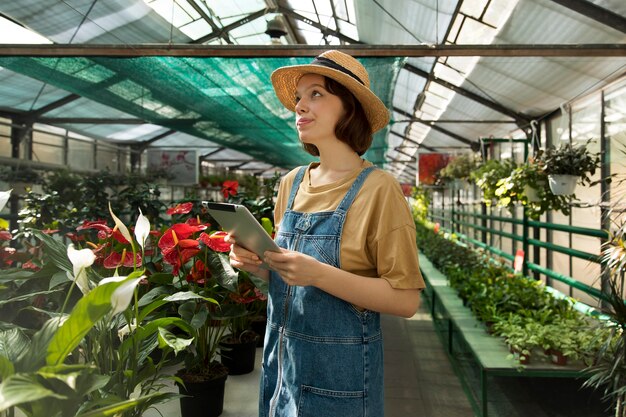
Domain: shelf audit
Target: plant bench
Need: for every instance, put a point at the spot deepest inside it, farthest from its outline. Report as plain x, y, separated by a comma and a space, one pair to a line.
456, 324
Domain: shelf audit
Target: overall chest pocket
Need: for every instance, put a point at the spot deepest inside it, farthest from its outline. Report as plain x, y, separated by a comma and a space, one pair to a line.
317, 402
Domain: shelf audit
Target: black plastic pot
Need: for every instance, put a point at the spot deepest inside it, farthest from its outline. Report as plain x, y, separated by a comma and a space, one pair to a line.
239, 357
205, 398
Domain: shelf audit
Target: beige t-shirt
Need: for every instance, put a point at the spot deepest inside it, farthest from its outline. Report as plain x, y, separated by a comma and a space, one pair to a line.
379, 232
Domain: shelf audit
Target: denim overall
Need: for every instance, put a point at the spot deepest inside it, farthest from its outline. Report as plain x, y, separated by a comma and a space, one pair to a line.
323, 357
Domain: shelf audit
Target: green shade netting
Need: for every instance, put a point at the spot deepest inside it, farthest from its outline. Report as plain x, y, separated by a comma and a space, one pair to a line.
229, 101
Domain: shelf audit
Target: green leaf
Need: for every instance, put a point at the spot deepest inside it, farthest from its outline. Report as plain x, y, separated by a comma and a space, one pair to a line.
142, 333
6, 368
224, 274
27, 296
15, 274
58, 278
186, 296
34, 357
23, 388
13, 344
56, 250
88, 310
117, 408
167, 338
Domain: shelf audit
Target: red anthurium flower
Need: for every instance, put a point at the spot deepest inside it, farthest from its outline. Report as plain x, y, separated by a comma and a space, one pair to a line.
199, 273
229, 188
178, 255
115, 260
6, 255
30, 265
5, 235
182, 208
194, 221
117, 235
74, 237
259, 294
215, 241
436, 228
175, 233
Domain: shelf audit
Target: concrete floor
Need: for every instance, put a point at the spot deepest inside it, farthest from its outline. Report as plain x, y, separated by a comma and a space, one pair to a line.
419, 380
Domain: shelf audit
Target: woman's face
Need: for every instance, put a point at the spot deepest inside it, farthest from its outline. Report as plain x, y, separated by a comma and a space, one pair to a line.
317, 110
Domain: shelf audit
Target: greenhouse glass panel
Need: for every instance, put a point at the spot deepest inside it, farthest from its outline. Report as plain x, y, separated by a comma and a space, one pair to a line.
80, 155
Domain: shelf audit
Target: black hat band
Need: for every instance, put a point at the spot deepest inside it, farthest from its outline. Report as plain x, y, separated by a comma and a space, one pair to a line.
325, 62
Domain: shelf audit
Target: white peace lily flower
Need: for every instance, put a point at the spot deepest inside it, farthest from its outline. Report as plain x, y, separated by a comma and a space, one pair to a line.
124, 331
80, 259
142, 229
120, 299
4, 198
120, 226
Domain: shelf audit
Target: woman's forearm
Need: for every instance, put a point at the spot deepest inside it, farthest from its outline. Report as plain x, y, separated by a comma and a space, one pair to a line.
374, 294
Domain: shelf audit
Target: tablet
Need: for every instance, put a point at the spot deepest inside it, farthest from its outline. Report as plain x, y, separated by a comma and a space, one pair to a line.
239, 222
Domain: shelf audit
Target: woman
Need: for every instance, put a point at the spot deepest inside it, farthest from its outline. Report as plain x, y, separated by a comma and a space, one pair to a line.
348, 254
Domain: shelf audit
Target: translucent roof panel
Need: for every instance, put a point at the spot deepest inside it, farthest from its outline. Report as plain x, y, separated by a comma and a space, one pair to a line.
105, 22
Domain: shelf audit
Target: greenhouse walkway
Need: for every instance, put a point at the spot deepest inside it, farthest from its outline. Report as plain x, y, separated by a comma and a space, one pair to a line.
420, 382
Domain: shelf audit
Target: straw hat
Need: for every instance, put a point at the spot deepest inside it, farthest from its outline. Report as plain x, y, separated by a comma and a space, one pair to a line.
340, 67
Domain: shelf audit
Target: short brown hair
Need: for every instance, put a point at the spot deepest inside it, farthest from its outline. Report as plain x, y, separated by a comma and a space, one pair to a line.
353, 129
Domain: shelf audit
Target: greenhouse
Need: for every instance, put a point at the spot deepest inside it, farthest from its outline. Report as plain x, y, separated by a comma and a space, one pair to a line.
435, 193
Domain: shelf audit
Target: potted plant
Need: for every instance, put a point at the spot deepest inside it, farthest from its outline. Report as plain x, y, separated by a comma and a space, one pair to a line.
238, 347
608, 372
198, 278
459, 169
97, 357
528, 184
488, 175
568, 164
20, 179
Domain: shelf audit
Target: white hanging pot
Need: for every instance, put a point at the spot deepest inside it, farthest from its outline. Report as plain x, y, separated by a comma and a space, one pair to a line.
562, 184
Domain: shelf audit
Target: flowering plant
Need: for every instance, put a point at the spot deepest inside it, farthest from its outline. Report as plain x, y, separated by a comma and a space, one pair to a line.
96, 359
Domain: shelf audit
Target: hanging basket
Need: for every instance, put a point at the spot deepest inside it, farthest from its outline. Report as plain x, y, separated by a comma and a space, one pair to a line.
562, 184
531, 194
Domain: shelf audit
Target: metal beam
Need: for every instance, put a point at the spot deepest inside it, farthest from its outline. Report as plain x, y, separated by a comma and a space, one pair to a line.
419, 145
207, 18
361, 50
54, 105
520, 118
220, 32
597, 13
317, 25
438, 128
90, 121
417, 119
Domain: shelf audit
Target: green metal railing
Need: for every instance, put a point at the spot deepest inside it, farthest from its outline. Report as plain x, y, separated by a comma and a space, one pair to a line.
453, 220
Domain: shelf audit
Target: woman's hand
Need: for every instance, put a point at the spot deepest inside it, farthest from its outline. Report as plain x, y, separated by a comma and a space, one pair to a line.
244, 259
294, 268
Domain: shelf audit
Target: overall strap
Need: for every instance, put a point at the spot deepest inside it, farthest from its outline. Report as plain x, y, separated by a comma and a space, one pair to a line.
296, 184
345, 204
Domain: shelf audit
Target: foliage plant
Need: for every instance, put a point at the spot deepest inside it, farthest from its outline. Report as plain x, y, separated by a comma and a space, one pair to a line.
90, 352
609, 371
525, 178
460, 167
488, 176
421, 199
570, 159
515, 307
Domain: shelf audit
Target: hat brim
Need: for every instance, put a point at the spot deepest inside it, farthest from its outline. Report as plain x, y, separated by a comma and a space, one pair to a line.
285, 81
